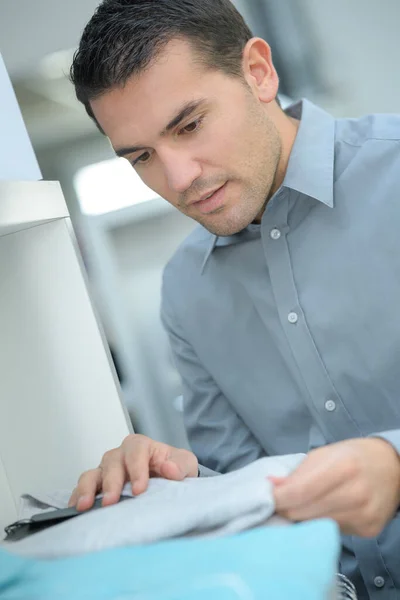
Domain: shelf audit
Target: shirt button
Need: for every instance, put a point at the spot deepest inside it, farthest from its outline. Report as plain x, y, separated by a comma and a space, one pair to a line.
330, 406
379, 582
293, 318
275, 234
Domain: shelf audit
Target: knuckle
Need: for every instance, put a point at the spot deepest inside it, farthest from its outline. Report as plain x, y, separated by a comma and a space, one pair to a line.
351, 467
109, 455
135, 438
111, 481
361, 496
129, 438
84, 478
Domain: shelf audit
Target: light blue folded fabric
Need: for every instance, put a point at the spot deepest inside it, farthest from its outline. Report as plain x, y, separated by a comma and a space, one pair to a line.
296, 562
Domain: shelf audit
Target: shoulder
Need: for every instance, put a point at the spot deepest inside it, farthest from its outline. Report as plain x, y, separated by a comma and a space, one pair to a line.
369, 142
378, 127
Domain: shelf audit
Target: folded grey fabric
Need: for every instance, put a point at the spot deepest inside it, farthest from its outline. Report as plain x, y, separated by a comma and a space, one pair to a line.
216, 506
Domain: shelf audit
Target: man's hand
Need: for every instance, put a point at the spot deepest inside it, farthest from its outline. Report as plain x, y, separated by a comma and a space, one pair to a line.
355, 482
137, 459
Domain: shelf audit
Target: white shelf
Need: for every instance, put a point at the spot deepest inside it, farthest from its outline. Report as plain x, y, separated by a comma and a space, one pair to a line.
60, 402
26, 204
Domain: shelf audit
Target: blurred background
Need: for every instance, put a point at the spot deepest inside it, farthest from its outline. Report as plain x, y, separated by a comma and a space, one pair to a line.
343, 55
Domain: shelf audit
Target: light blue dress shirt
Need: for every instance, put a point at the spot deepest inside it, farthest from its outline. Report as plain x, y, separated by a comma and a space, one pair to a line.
287, 334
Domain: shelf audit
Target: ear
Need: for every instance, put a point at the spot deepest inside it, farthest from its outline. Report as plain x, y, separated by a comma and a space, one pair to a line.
259, 70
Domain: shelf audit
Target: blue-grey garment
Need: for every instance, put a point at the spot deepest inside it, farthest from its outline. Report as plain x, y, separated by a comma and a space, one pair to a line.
287, 334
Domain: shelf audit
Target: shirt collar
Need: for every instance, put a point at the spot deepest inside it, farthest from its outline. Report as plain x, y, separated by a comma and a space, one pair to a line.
310, 169
311, 163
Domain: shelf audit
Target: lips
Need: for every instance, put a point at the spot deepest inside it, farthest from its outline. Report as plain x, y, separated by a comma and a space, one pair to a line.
208, 196
208, 204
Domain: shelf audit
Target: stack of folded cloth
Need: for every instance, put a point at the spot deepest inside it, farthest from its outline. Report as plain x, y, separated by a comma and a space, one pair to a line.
123, 551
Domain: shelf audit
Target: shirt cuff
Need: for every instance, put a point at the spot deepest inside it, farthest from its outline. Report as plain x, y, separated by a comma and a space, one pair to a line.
393, 437
206, 472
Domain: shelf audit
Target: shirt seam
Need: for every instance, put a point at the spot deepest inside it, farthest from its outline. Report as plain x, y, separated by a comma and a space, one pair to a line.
368, 139
388, 574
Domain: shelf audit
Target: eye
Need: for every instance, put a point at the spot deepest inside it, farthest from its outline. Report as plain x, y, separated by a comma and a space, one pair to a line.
192, 127
142, 159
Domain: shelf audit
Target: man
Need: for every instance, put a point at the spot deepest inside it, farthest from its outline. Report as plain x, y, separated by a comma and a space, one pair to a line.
282, 308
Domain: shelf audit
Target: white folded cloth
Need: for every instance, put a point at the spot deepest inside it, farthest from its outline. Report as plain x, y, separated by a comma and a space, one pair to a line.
220, 505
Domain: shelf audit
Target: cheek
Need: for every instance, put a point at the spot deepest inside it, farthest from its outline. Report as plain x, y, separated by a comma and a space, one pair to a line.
232, 142
220, 149
155, 179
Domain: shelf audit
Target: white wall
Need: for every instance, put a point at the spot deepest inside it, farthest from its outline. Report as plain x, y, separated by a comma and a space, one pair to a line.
14, 140
359, 45
42, 27
31, 29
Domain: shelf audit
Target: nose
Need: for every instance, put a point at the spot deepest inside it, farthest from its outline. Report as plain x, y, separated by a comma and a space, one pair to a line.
181, 170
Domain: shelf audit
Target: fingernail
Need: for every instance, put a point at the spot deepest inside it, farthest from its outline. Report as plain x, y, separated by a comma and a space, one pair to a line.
108, 496
137, 488
81, 500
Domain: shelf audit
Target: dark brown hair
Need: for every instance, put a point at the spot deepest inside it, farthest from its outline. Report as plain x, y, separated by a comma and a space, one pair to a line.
124, 36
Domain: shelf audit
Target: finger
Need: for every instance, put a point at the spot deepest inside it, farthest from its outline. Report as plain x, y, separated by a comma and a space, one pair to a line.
343, 519
114, 477
185, 460
174, 463
73, 499
339, 501
346, 521
137, 459
89, 484
310, 482
169, 469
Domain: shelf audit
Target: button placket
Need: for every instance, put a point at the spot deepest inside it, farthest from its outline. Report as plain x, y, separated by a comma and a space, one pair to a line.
299, 336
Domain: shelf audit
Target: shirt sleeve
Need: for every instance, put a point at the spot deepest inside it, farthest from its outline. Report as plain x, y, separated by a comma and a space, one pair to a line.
217, 435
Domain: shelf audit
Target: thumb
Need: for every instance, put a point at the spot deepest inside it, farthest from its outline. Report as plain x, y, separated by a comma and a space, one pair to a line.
172, 469
180, 464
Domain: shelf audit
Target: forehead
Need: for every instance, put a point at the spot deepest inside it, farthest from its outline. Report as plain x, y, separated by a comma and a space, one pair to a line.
151, 98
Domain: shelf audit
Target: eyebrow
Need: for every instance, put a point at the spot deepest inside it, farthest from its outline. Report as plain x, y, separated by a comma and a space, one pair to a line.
188, 109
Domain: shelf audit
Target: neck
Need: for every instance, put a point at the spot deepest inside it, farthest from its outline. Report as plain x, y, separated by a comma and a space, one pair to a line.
287, 128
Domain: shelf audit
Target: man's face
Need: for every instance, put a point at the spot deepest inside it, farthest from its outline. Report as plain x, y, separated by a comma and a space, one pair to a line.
191, 133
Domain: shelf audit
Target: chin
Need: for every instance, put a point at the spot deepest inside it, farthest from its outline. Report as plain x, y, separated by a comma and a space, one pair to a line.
225, 225
226, 229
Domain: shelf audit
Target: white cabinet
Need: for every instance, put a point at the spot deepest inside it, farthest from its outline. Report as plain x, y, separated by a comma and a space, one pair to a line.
60, 405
